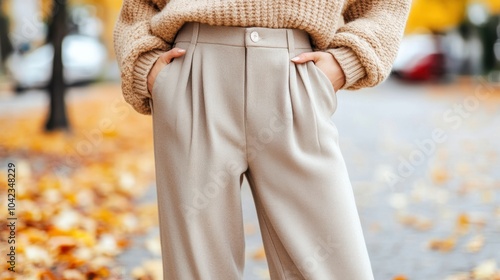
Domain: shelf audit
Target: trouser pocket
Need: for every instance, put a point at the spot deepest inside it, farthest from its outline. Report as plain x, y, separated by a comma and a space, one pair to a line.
170, 84
319, 87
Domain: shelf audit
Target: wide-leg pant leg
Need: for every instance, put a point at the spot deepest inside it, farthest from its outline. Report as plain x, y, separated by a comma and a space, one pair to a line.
198, 135
305, 203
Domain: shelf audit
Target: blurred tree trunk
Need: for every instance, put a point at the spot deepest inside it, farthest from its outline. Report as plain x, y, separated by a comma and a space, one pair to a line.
57, 119
489, 35
5, 45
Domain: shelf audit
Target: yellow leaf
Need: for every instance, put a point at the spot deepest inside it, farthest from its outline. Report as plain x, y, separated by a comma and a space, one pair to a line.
259, 254
463, 223
443, 245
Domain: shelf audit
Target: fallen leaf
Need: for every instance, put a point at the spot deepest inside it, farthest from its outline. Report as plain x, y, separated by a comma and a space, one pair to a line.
439, 175
443, 245
415, 221
475, 244
259, 254
463, 223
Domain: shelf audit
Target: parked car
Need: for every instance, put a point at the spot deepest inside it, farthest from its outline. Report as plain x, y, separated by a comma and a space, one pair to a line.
84, 58
420, 58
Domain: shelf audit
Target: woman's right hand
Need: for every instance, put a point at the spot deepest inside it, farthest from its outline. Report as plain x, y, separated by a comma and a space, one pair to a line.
164, 59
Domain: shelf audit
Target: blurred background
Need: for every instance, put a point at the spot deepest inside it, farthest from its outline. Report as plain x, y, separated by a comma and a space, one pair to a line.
422, 150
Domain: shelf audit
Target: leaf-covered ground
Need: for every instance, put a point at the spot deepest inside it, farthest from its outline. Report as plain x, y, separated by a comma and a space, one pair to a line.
75, 190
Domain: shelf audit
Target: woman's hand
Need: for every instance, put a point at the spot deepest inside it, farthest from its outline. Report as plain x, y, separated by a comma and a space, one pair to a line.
164, 59
326, 63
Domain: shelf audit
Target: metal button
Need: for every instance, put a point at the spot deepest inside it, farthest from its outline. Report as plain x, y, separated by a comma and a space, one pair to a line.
255, 36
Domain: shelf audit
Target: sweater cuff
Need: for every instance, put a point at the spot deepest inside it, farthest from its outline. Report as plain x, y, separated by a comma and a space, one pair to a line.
141, 70
350, 64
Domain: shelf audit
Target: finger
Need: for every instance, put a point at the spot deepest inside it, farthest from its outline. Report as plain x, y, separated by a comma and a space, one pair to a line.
305, 57
173, 53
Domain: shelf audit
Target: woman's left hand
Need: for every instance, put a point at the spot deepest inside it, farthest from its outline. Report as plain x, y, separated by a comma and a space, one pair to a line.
326, 63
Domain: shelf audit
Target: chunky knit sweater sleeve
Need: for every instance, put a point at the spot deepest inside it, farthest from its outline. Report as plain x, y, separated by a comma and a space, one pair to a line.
137, 50
367, 44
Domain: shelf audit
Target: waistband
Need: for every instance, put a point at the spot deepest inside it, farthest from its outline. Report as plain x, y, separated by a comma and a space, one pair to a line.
195, 32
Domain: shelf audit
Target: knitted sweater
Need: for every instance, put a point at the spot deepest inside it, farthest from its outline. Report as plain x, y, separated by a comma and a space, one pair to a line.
364, 43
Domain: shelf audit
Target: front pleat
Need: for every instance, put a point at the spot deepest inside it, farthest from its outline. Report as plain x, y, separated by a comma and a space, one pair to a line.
197, 103
182, 107
305, 123
291, 85
324, 94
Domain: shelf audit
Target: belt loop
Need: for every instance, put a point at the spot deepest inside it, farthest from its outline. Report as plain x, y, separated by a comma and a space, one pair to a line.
196, 31
291, 42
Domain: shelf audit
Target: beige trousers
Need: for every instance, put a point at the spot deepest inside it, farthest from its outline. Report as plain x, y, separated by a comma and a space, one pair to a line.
235, 105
